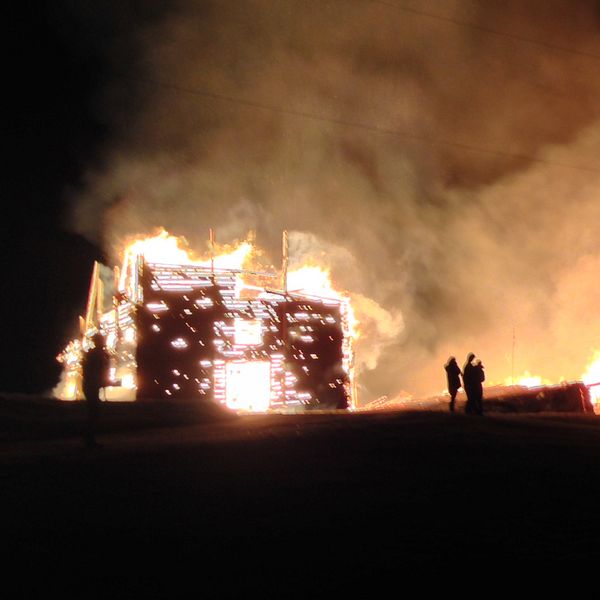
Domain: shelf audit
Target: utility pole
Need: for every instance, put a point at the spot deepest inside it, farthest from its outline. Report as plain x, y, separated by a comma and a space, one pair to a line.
212, 251
92, 301
283, 316
284, 266
512, 368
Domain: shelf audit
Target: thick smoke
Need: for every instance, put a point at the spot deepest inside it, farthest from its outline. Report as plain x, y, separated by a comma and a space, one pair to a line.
400, 145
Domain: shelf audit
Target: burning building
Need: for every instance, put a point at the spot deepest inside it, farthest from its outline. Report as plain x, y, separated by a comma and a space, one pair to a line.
188, 330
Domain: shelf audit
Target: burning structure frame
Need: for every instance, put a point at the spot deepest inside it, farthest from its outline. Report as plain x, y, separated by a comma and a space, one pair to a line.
194, 331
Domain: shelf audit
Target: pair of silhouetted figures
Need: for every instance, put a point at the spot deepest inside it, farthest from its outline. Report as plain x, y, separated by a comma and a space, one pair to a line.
95, 367
473, 377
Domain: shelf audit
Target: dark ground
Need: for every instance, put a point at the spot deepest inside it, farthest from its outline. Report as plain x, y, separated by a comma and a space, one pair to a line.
287, 502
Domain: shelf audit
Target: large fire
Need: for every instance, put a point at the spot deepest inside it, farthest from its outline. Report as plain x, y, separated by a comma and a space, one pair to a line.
249, 386
236, 381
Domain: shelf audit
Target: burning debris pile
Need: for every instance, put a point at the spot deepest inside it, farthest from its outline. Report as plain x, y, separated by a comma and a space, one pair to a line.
180, 328
572, 396
535, 393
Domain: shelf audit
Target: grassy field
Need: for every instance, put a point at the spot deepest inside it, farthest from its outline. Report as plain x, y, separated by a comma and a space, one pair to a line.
325, 499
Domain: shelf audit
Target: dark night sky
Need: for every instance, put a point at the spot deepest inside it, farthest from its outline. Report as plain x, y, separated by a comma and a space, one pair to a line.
400, 142
52, 133
58, 59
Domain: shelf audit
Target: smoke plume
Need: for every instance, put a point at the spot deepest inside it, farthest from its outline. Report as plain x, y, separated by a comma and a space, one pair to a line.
442, 156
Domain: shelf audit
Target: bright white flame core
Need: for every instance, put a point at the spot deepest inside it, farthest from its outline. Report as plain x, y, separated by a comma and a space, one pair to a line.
312, 280
248, 386
128, 381
248, 332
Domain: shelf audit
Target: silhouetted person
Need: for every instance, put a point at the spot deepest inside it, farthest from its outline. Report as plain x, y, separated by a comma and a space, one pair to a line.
468, 378
95, 366
479, 377
453, 374
473, 378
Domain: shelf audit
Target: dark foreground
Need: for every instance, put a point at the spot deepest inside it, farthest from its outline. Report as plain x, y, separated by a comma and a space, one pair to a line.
319, 502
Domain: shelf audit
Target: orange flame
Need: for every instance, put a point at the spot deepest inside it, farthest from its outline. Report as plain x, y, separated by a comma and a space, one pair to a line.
164, 248
527, 380
592, 376
168, 249
310, 280
316, 281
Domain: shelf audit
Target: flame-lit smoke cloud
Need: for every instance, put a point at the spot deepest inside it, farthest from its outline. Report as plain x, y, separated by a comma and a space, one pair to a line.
378, 327
261, 115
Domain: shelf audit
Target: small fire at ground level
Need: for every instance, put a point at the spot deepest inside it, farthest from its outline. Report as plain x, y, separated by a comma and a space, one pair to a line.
590, 380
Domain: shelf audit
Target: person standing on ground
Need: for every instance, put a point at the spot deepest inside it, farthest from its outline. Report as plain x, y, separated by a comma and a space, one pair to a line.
473, 378
478, 379
453, 374
468, 383
95, 367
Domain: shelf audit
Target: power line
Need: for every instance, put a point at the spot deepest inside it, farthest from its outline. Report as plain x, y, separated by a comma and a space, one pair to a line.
484, 29
355, 124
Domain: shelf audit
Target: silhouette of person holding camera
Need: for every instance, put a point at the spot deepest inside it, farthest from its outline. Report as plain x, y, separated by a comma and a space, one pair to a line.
473, 378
